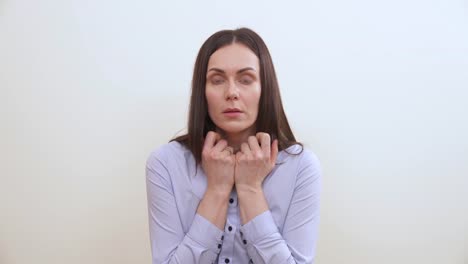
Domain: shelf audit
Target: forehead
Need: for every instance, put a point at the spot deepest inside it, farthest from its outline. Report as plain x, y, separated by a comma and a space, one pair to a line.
233, 57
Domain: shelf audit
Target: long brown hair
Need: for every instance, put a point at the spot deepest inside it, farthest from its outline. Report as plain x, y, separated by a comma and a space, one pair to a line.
271, 118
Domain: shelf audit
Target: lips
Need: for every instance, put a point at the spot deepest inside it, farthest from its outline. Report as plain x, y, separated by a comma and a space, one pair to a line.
232, 110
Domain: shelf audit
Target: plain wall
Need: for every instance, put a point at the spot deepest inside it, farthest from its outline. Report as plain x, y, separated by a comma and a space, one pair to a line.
377, 89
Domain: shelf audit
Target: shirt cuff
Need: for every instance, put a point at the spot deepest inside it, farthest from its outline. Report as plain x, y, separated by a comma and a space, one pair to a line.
205, 233
259, 227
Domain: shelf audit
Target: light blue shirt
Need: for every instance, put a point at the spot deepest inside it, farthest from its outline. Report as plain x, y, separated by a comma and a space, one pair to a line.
286, 233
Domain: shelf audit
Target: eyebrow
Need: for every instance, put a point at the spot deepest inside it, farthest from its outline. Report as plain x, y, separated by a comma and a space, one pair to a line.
239, 71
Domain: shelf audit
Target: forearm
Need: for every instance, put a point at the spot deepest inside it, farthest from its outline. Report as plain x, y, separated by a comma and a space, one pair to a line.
213, 207
252, 202
263, 241
297, 240
170, 242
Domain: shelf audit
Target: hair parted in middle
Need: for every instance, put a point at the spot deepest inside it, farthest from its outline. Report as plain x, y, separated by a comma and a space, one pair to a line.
271, 117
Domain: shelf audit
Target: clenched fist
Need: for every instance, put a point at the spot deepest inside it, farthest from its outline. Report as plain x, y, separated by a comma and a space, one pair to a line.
218, 163
254, 161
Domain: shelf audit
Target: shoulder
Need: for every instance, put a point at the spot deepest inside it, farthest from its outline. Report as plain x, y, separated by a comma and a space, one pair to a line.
299, 154
301, 158
168, 153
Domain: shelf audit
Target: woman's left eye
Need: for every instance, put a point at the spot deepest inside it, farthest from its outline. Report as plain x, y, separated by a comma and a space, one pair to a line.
246, 80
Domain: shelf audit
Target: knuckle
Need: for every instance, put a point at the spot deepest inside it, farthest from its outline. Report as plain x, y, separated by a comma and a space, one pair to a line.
204, 153
213, 155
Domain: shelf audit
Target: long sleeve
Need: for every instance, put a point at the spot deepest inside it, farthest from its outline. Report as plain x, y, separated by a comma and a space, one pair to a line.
297, 241
169, 242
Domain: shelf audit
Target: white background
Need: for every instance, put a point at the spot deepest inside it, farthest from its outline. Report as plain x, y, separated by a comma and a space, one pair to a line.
377, 89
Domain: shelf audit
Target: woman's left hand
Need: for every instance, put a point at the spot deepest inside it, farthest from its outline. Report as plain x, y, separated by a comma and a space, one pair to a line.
254, 162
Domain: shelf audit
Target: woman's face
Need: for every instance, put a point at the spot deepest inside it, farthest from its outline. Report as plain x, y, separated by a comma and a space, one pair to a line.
233, 89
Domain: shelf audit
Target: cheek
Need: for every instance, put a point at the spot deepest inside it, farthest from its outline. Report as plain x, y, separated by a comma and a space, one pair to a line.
211, 99
254, 99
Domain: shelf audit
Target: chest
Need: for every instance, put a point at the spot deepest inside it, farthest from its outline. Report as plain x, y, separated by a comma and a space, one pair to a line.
278, 189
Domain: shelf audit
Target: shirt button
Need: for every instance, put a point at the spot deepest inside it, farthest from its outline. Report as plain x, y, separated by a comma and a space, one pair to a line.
222, 237
231, 200
230, 228
226, 260
219, 245
245, 242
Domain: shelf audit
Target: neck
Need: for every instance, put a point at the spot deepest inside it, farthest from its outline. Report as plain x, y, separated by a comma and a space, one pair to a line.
235, 140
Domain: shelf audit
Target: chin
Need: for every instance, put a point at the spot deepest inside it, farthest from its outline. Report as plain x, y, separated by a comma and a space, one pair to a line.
233, 128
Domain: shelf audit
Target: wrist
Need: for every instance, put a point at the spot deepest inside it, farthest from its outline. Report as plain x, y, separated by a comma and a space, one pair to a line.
218, 194
213, 207
250, 195
252, 202
249, 190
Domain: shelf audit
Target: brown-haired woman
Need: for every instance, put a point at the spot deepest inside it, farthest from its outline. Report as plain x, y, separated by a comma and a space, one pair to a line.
238, 187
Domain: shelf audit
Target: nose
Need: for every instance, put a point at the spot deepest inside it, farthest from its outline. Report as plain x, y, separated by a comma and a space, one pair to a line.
232, 91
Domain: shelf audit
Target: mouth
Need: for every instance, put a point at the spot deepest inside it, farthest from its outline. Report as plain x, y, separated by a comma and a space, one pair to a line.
232, 110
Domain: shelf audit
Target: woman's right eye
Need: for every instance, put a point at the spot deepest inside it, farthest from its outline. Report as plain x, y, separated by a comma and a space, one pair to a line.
217, 80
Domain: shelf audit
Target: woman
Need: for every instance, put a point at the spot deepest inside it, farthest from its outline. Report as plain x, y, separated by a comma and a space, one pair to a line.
237, 188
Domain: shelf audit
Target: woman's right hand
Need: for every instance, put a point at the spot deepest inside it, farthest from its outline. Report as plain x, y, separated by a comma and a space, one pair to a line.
218, 163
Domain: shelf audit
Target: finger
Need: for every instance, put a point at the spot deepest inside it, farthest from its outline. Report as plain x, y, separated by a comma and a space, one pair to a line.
253, 144
220, 145
228, 151
274, 152
238, 155
210, 140
246, 149
264, 139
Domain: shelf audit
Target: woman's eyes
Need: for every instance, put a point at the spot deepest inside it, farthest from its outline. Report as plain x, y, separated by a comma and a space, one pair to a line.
216, 80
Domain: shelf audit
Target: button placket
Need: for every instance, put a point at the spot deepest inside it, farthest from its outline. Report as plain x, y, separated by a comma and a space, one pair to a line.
230, 229
233, 199
244, 241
